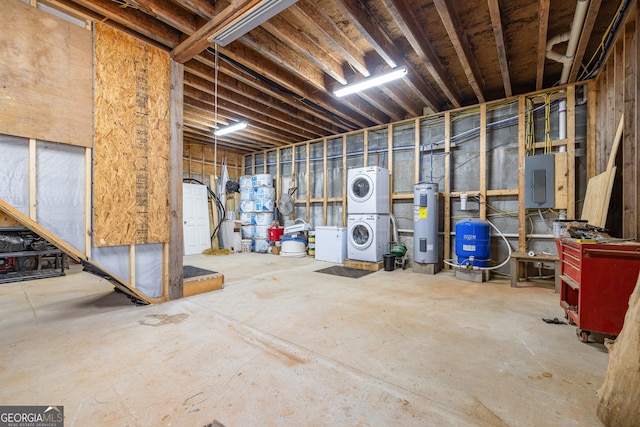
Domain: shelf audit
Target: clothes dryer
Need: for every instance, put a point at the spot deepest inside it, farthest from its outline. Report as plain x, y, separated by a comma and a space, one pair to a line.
368, 190
368, 236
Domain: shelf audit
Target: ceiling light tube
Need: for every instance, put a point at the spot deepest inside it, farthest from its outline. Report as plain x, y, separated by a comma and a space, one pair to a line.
374, 81
254, 17
231, 128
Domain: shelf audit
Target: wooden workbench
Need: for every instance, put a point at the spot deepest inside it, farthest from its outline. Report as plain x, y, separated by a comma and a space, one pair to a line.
518, 264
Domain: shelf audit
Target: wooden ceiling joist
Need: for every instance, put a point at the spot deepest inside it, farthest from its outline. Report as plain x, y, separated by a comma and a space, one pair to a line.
312, 18
275, 98
199, 41
406, 19
543, 25
460, 43
498, 34
371, 30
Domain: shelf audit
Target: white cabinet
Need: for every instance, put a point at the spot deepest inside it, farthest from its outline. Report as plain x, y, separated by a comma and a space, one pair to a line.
331, 244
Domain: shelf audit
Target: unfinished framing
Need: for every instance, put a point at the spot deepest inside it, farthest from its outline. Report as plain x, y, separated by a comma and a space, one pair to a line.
434, 136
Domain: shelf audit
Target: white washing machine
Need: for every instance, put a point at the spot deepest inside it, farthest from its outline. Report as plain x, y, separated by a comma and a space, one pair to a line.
368, 190
368, 236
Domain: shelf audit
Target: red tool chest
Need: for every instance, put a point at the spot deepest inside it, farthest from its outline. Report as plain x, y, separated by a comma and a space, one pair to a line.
597, 280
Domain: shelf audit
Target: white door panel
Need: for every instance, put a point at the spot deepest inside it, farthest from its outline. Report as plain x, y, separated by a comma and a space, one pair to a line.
196, 218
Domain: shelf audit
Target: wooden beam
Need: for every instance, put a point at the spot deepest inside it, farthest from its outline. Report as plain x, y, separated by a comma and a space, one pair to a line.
360, 17
408, 23
315, 21
522, 219
135, 20
293, 38
245, 106
458, 38
269, 46
72, 252
592, 113
230, 77
344, 180
447, 188
498, 35
483, 161
169, 13
203, 9
325, 182
302, 89
33, 202
630, 149
176, 150
88, 187
199, 41
571, 152
543, 25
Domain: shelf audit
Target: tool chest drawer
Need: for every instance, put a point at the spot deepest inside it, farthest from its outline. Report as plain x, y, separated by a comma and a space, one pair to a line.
596, 282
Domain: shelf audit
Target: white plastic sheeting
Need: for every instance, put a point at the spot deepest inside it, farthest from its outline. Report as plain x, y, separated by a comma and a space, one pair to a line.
149, 269
148, 265
113, 258
14, 172
60, 194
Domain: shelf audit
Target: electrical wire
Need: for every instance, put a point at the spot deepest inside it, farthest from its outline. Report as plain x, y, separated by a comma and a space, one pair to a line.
605, 43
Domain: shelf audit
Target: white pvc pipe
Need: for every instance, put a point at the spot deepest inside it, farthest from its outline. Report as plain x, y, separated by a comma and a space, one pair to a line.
572, 37
562, 122
576, 30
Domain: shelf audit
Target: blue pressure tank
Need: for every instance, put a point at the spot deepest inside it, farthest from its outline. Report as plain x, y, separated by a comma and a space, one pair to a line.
472, 240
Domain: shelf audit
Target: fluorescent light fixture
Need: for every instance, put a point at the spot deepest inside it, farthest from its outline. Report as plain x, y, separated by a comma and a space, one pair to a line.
373, 81
262, 12
231, 128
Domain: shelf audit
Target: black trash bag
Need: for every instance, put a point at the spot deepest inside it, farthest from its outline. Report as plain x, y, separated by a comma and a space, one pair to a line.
11, 243
232, 187
39, 244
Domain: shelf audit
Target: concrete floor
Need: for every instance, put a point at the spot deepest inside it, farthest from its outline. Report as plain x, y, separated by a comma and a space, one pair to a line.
284, 345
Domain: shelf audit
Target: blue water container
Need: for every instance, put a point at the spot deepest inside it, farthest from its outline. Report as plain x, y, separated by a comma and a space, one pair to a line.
472, 240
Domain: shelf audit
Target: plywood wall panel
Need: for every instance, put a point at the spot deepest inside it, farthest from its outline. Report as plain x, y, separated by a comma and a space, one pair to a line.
131, 149
45, 76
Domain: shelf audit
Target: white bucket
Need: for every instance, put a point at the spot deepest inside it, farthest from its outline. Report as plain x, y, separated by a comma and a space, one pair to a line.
261, 231
293, 248
247, 218
246, 194
248, 231
262, 180
246, 181
237, 242
263, 218
264, 193
264, 205
559, 228
246, 245
261, 245
247, 206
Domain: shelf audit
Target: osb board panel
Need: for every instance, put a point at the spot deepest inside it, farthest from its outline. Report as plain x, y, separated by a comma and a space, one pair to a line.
45, 76
561, 170
597, 198
131, 150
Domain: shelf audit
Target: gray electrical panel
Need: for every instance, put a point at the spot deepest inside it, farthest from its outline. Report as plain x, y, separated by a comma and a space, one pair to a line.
539, 181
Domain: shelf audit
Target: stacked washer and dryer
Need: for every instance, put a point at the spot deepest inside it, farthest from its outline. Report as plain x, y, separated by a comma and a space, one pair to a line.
368, 222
